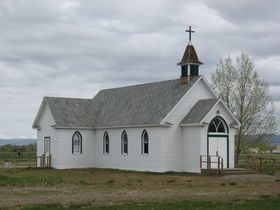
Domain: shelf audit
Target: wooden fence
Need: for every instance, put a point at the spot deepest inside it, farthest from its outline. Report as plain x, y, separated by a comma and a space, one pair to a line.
261, 164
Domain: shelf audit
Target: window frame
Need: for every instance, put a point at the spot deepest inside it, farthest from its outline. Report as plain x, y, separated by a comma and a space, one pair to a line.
47, 145
194, 70
184, 71
124, 143
106, 143
217, 126
74, 143
144, 143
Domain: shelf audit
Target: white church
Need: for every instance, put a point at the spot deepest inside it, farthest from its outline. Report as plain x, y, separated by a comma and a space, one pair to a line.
160, 126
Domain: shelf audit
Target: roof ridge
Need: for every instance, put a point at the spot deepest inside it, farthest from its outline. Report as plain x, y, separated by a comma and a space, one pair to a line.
59, 97
148, 83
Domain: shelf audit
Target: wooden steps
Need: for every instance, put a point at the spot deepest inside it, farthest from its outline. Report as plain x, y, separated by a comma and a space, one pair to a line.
229, 171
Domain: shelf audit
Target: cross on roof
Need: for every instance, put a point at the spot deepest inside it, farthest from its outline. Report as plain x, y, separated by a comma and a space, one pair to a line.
190, 32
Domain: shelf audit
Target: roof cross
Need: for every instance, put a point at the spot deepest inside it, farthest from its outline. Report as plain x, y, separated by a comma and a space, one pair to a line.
190, 32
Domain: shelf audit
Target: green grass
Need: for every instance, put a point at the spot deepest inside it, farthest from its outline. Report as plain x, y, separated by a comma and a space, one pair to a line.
15, 159
29, 181
262, 203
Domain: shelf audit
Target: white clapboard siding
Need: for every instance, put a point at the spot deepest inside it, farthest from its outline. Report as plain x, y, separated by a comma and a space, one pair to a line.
46, 130
192, 138
188, 101
172, 148
172, 151
69, 160
134, 160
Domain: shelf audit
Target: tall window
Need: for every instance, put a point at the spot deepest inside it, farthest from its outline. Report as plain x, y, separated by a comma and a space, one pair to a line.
145, 143
124, 143
217, 126
77, 143
47, 145
106, 143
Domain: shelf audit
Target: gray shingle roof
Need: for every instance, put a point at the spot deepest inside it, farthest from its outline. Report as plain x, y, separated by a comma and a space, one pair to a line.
145, 104
71, 112
199, 111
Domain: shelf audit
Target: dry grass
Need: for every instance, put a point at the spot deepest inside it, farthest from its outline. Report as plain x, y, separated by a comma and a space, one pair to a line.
105, 186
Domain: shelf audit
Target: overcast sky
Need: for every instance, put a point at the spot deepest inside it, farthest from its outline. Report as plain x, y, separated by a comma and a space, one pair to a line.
72, 48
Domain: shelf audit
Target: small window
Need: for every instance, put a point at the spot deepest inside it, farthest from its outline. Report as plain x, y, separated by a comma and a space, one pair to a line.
216, 126
145, 143
77, 143
184, 70
124, 143
194, 70
106, 143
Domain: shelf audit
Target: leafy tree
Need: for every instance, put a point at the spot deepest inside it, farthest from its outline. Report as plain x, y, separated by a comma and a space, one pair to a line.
248, 97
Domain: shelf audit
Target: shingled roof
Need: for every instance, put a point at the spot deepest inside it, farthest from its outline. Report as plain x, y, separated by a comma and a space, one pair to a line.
72, 112
145, 104
199, 111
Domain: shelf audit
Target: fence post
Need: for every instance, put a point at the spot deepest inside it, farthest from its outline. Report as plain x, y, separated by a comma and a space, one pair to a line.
274, 165
209, 162
222, 166
219, 164
200, 161
261, 165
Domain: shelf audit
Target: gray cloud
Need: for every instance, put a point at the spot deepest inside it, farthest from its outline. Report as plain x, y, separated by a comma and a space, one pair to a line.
74, 48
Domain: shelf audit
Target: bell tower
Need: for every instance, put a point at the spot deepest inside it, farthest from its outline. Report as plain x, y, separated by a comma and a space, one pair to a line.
189, 63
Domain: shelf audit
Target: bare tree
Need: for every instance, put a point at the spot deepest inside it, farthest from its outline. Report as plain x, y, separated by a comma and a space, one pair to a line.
249, 98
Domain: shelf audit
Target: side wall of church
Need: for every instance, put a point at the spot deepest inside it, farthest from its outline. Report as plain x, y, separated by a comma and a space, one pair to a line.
134, 159
46, 130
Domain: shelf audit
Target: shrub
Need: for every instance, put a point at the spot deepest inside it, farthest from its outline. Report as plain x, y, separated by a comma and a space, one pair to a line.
110, 181
265, 196
232, 183
223, 183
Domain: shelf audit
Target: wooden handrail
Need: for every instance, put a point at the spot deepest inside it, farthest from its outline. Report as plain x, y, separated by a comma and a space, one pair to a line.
209, 161
42, 160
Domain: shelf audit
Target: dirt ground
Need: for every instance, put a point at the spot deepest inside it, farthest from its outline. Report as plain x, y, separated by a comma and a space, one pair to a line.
99, 188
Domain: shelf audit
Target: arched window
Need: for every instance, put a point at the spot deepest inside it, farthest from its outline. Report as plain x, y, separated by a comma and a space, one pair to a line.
106, 143
77, 143
217, 126
124, 143
144, 143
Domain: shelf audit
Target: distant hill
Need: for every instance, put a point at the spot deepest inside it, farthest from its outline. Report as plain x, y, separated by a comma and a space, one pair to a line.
17, 141
276, 140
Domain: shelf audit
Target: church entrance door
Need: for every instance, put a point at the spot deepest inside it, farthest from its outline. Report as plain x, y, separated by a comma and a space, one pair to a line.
218, 142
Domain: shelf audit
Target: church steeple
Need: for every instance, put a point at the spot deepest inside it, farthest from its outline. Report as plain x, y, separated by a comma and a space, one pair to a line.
189, 63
